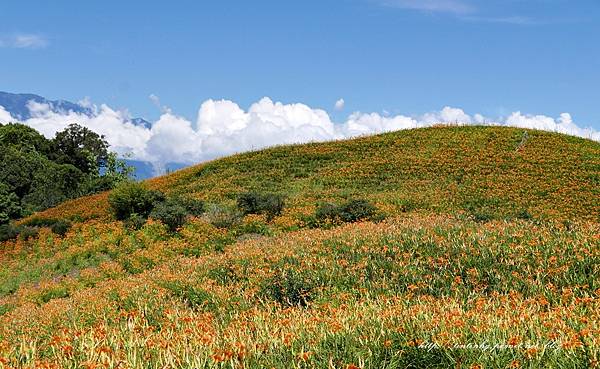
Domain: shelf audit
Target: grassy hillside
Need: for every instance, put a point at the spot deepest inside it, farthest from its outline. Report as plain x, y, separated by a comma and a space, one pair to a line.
497, 172
491, 238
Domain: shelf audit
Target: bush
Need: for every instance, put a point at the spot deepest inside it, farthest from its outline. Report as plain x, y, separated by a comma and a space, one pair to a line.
57, 226
290, 288
352, 211
61, 227
255, 203
192, 206
170, 213
357, 210
133, 198
26, 232
135, 221
222, 217
8, 232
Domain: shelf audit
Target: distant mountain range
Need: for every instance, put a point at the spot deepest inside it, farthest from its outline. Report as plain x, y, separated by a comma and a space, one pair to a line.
16, 105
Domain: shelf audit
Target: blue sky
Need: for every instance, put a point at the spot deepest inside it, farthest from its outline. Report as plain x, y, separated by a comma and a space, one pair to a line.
409, 56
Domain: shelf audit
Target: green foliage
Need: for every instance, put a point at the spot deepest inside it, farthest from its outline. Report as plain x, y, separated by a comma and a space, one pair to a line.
57, 292
289, 287
135, 221
8, 232
24, 138
12, 232
51, 185
31, 227
133, 198
10, 208
38, 173
171, 213
349, 212
61, 227
193, 207
57, 226
27, 232
222, 217
81, 147
194, 297
258, 203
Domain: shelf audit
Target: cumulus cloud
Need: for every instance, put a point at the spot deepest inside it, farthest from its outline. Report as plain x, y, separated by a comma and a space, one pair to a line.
339, 105
24, 41
222, 127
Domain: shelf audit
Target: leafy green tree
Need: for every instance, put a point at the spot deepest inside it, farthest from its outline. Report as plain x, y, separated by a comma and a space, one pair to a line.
10, 206
36, 173
53, 184
18, 169
81, 147
24, 138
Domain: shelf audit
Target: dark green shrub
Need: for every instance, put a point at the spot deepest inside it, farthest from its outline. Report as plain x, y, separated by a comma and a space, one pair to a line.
524, 214
327, 213
8, 232
290, 288
192, 206
357, 210
133, 198
351, 211
40, 222
26, 232
135, 221
170, 213
61, 227
57, 226
256, 203
222, 217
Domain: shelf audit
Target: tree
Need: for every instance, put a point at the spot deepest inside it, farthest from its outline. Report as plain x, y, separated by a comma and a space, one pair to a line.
24, 138
10, 207
19, 168
81, 147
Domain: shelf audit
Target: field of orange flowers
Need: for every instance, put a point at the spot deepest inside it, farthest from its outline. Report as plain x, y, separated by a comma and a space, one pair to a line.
489, 257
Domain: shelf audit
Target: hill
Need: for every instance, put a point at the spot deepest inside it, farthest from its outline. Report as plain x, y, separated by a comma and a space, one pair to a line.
492, 172
487, 257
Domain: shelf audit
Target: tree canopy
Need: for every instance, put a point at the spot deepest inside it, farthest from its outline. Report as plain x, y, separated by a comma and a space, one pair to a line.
37, 173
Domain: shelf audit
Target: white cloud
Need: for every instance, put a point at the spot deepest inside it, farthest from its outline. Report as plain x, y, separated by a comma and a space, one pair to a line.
24, 41
5, 116
516, 19
441, 6
156, 101
222, 127
339, 105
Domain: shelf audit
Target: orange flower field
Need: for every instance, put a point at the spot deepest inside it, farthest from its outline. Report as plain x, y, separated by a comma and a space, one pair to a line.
485, 254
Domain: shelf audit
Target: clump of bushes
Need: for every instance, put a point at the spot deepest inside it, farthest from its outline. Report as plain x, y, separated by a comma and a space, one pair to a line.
8, 232
31, 228
290, 288
135, 221
171, 213
354, 210
133, 203
268, 204
222, 217
133, 198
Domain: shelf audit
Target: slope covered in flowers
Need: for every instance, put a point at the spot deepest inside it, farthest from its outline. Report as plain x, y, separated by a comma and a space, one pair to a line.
494, 171
489, 256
